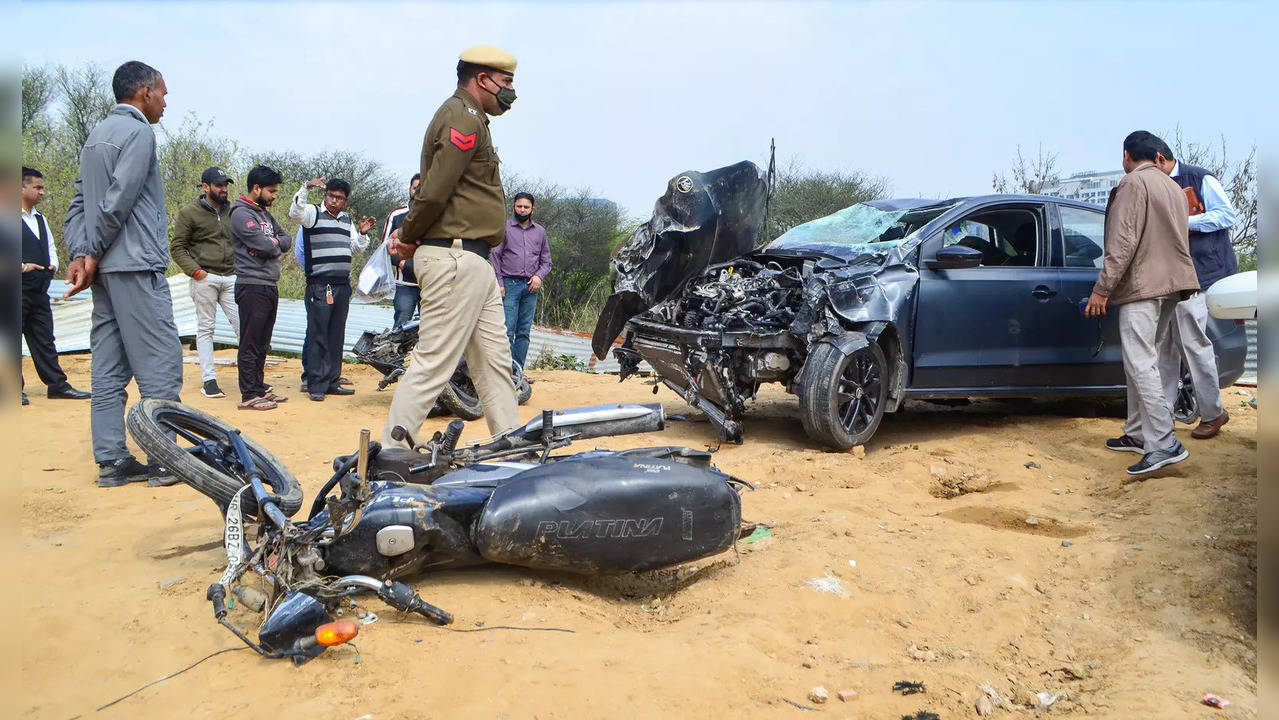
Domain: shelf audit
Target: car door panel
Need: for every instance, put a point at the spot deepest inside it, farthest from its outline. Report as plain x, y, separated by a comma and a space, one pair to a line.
986, 327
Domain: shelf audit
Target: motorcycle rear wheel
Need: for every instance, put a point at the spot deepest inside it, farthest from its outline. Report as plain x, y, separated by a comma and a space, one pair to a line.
151, 421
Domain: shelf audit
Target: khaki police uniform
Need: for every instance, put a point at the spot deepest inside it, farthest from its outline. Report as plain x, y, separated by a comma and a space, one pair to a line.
458, 213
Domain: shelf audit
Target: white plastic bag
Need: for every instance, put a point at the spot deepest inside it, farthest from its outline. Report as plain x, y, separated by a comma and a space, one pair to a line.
377, 279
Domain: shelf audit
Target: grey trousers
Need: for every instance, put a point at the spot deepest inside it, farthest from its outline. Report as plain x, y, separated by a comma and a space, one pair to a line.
209, 294
1188, 336
1143, 329
133, 337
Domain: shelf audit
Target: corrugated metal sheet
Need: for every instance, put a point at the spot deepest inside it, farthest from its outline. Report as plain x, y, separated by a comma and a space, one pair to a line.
1250, 364
72, 320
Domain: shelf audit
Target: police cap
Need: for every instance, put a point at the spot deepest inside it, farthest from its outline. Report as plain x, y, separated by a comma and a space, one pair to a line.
490, 57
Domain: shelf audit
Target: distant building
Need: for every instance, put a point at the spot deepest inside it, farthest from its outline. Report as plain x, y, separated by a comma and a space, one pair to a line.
1089, 187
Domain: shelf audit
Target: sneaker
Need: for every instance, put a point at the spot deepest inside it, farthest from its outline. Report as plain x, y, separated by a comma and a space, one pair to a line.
123, 471
162, 477
211, 389
1126, 443
1153, 461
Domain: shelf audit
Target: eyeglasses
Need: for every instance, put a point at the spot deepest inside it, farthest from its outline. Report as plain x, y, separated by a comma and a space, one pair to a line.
335, 196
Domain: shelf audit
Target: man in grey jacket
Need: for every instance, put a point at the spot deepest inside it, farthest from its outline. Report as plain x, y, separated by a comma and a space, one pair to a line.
117, 235
259, 241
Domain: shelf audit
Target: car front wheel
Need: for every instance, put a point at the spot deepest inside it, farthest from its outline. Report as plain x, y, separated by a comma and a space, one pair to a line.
842, 395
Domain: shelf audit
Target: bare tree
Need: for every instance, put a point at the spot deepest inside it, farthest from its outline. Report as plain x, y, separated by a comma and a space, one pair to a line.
1031, 176
1238, 178
801, 194
86, 99
38, 90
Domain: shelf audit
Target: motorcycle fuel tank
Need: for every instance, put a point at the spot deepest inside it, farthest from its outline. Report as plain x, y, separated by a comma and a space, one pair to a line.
609, 515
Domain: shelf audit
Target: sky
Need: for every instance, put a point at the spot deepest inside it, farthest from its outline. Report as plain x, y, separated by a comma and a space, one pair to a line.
620, 97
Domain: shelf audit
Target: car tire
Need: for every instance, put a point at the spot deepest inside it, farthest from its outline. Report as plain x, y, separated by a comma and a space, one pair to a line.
842, 395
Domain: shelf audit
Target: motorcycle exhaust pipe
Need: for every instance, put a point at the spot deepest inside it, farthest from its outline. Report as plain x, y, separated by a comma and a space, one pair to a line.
591, 422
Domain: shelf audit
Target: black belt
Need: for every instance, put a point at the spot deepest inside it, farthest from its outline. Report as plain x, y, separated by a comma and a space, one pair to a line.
479, 247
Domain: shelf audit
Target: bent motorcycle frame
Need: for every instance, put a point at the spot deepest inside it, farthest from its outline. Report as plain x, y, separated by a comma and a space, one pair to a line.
302, 606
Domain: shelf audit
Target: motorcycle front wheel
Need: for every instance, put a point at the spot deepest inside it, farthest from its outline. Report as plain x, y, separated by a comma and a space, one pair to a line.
195, 446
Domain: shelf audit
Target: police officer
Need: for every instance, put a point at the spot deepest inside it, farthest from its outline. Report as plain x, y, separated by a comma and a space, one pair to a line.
455, 217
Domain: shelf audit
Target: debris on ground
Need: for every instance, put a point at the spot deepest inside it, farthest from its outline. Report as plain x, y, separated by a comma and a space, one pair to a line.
1032, 520
922, 715
760, 533
922, 654
1032, 465
1066, 543
829, 584
1046, 700
818, 695
908, 687
1215, 701
801, 706
846, 695
989, 700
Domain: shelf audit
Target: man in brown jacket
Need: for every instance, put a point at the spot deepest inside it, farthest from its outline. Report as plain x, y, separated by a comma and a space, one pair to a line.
1146, 272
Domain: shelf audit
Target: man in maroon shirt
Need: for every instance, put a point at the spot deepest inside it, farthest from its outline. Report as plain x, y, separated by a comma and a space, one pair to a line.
521, 262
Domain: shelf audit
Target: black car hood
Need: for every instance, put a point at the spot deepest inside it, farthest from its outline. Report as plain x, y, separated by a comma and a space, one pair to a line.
703, 219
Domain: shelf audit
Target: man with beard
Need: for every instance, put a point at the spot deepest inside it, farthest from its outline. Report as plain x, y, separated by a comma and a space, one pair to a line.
201, 246
39, 262
117, 236
456, 216
259, 241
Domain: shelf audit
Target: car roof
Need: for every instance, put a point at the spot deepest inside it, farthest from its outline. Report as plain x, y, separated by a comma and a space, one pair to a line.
914, 203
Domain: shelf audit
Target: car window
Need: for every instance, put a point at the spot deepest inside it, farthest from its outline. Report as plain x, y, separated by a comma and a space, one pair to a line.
1083, 233
1006, 238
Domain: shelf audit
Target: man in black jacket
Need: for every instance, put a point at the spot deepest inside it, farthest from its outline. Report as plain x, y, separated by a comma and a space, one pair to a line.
1211, 218
39, 262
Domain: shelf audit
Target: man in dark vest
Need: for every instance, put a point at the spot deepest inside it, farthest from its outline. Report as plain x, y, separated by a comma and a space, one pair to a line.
1211, 218
328, 238
39, 262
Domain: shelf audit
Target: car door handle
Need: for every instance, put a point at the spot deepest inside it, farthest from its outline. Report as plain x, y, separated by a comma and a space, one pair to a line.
1043, 292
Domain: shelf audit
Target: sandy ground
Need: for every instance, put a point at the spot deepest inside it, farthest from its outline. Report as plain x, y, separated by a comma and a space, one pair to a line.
949, 549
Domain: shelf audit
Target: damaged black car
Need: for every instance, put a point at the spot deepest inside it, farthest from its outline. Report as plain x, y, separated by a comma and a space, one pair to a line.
856, 312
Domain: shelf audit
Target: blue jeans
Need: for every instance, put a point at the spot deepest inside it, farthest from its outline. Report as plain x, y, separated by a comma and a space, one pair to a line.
520, 305
407, 298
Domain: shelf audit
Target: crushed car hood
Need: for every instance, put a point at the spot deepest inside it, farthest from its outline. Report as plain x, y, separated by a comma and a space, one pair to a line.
703, 219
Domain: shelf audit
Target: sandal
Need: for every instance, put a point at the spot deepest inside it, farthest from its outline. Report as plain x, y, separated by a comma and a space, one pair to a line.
275, 398
344, 380
258, 403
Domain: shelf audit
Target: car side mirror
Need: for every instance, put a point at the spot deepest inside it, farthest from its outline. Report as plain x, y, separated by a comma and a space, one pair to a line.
955, 257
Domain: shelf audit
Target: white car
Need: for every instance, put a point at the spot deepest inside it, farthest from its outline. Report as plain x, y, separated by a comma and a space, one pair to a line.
1234, 297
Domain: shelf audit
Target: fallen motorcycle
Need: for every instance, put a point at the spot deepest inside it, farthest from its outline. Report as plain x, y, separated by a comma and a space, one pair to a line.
386, 352
398, 513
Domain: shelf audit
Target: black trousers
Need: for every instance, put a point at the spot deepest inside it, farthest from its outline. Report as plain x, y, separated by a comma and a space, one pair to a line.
258, 304
325, 335
37, 328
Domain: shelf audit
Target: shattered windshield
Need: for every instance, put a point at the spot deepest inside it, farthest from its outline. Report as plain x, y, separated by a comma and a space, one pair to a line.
858, 230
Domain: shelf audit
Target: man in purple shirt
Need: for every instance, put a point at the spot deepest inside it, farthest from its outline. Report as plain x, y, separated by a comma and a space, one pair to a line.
521, 262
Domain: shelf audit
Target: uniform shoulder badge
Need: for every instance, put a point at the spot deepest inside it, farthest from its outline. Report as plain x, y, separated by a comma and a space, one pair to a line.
463, 142
471, 110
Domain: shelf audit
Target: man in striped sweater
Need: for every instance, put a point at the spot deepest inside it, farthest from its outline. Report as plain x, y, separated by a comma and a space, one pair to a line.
329, 236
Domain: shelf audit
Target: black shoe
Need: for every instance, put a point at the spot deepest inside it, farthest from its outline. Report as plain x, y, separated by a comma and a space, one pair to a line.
318, 397
124, 471
211, 389
25, 401
1151, 462
1126, 443
68, 393
162, 477
339, 390
303, 387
